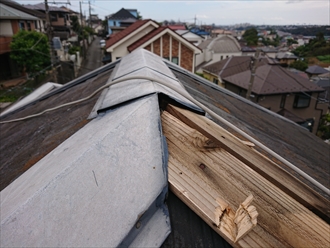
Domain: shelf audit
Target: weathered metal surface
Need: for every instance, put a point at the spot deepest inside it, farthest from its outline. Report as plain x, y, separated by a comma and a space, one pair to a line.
149, 65
94, 188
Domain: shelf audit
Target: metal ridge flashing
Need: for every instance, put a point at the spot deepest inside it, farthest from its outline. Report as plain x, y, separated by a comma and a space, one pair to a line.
142, 63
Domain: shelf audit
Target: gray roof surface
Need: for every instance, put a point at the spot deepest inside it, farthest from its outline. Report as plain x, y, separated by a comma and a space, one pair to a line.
7, 12
273, 79
41, 6
229, 66
221, 44
20, 7
316, 70
115, 138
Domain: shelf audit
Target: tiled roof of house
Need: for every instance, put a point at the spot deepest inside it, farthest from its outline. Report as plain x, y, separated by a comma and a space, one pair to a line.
22, 8
177, 27
152, 34
122, 14
316, 70
273, 79
287, 114
7, 12
145, 38
122, 34
229, 66
41, 6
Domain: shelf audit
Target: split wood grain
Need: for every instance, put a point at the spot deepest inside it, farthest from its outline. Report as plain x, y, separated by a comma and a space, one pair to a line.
199, 175
259, 163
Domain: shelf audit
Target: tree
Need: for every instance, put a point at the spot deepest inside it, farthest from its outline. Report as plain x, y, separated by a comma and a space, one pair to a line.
30, 50
299, 65
251, 37
324, 127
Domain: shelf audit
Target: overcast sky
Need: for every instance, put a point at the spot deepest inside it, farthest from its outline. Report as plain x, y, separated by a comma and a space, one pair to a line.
279, 12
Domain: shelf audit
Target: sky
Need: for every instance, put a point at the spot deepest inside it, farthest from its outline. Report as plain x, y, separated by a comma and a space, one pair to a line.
219, 12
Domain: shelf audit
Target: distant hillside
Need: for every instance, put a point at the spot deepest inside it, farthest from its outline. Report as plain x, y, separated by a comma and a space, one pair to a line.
308, 31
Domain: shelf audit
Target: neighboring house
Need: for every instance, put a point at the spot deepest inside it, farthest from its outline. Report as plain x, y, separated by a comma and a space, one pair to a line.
39, 25
315, 70
12, 20
269, 52
191, 37
216, 49
215, 72
324, 83
286, 58
140, 165
121, 19
151, 36
71, 13
280, 90
59, 18
177, 27
248, 51
200, 31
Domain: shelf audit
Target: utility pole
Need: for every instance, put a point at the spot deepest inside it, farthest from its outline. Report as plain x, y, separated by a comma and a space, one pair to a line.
253, 71
50, 40
82, 31
90, 10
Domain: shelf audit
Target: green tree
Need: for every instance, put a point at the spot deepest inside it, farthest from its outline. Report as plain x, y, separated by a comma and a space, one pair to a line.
299, 65
251, 37
30, 50
324, 127
75, 24
289, 42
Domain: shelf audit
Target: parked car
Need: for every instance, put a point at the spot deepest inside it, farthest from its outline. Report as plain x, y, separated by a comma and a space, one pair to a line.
102, 43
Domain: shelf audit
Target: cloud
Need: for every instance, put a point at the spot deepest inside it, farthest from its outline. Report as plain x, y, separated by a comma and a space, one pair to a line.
202, 16
294, 1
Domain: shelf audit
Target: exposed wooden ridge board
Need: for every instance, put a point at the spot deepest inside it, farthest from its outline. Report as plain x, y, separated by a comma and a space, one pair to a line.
259, 163
209, 180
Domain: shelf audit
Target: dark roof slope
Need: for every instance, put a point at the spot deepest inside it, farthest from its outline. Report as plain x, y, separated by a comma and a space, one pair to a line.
316, 70
229, 66
47, 131
122, 14
273, 79
41, 6
117, 37
24, 9
145, 38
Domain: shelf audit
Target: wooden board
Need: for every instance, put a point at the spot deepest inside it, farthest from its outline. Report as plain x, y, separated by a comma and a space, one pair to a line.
199, 175
259, 163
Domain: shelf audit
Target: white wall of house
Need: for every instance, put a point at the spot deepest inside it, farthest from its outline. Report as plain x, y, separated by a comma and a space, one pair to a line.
6, 28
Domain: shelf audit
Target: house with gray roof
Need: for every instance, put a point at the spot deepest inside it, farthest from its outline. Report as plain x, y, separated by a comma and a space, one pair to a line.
59, 18
143, 153
216, 49
274, 87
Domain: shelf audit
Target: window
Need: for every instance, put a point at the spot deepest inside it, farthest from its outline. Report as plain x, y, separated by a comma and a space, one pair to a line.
28, 26
53, 17
283, 98
216, 81
167, 58
221, 58
301, 100
175, 60
36, 24
21, 25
